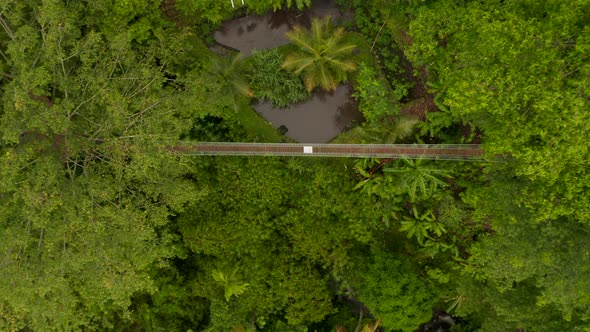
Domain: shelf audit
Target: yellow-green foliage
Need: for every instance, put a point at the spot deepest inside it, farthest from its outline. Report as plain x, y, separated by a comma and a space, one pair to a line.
322, 58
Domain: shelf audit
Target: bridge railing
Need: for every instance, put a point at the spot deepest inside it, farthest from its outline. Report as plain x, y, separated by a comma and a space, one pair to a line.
410, 151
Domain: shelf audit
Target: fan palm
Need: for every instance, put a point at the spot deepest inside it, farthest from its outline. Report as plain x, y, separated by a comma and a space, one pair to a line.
323, 55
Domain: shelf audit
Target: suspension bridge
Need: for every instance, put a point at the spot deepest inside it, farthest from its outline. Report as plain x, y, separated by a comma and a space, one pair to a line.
409, 151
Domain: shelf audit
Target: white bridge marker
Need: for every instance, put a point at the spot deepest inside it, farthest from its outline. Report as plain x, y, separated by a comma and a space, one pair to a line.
308, 149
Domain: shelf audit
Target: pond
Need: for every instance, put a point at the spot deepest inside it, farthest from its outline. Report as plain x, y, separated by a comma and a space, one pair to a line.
268, 31
324, 115
317, 120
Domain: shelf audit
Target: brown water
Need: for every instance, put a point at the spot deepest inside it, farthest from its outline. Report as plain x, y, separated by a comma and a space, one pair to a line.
268, 31
317, 120
325, 115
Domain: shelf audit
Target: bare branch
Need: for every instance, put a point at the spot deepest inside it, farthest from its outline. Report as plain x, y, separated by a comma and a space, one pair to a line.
6, 27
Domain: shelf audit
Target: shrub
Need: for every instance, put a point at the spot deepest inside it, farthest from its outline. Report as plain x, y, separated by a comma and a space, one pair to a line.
269, 81
374, 96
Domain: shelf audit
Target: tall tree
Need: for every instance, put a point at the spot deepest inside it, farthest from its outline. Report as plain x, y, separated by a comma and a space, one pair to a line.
519, 71
522, 77
261, 217
394, 293
88, 185
231, 74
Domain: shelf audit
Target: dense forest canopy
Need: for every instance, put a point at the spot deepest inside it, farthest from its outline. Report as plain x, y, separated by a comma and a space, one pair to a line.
104, 227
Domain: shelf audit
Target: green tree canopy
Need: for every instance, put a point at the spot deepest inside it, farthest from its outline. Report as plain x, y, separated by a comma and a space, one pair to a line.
394, 293
520, 72
87, 183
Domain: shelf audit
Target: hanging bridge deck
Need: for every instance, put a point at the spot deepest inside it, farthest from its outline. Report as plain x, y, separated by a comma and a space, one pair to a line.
410, 151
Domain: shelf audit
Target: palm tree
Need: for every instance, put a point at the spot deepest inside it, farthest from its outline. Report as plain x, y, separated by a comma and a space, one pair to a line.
323, 55
386, 132
231, 73
368, 327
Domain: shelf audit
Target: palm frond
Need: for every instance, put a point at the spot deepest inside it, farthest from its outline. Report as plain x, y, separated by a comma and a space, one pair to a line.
241, 87
372, 327
319, 27
404, 126
325, 78
342, 48
338, 33
310, 82
297, 63
345, 65
321, 59
299, 37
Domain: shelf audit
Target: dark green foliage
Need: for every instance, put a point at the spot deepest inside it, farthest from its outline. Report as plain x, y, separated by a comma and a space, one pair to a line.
269, 81
171, 307
230, 73
375, 99
215, 11
511, 69
512, 309
260, 217
210, 129
141, 18
262, 6
382, 23
436, 125
394, 293
206, 10
417, 179
411, 180
102, 227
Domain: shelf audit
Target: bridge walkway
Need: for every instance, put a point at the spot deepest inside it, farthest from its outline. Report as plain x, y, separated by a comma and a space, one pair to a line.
410, 151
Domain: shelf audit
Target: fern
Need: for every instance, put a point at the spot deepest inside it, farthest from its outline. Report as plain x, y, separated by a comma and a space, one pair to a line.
417, 180
422, 226
231, 285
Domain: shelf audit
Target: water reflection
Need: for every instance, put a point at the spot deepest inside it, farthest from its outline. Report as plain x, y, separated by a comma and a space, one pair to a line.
317, 120
347, 115
268, 31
